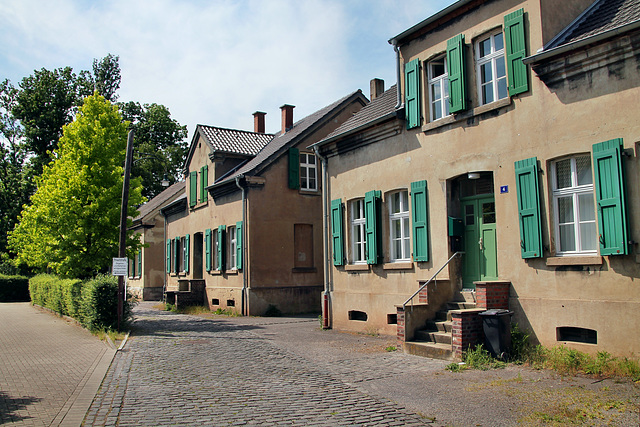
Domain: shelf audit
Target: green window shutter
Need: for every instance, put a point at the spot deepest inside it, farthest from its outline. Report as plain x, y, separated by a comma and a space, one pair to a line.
207, 249
193, 187
610, 197
412, 93
186, 253
203, 184
239, 243
336, 232
419, 217
220, 248
294, 168
529, 208
140, 262
516, 51
168, 256
372, 225
457, 78
175, 254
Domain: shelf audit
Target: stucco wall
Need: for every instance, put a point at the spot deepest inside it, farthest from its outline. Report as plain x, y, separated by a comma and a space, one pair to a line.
544, 122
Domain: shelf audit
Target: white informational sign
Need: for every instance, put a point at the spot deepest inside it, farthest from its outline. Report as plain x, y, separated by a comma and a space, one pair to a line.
120, 267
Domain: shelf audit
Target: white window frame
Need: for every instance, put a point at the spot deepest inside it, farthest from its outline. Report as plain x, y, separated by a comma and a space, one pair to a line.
232, 261
183, 248
574, 191
358, 246
443, 81
402, 216
214, 250
492, 58
308, 172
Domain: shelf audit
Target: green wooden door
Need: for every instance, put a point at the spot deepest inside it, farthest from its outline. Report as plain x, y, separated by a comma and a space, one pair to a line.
480, 261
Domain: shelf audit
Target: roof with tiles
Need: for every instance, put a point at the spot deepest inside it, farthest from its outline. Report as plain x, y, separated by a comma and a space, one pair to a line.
159, 201
376, 109
600, 17
281, 141
233, 140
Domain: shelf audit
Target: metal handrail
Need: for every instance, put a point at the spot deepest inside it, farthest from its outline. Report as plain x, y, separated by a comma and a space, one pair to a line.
429, 281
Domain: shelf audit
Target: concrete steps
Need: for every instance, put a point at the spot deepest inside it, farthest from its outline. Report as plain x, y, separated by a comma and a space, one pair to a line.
435, 339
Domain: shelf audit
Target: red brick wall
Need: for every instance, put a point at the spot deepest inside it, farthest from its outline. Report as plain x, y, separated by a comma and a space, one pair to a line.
400, 327
492, 295
466, 330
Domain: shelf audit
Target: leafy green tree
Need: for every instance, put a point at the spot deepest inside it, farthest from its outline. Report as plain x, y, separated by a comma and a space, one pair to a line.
16, 183
48, 100
71, 225
160, 145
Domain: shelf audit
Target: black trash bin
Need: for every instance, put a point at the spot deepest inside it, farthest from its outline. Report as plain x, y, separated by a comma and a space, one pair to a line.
496, 324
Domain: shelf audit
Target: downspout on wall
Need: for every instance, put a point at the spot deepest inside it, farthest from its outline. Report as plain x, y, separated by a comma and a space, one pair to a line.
326, 299
244, 304
399, 103
164, 245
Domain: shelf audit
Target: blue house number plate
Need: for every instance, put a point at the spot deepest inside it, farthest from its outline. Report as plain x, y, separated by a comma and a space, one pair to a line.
504, 189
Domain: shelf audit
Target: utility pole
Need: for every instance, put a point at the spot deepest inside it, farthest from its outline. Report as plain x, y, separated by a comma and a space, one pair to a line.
123, 222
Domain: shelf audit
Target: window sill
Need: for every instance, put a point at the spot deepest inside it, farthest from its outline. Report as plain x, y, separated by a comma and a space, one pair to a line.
397, 266
304, 270
234, 271
356, 267
309, 192
454, 118
199, 205
574, 260
215, 272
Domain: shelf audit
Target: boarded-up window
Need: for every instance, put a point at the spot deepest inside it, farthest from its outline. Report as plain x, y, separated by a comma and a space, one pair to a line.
303, 245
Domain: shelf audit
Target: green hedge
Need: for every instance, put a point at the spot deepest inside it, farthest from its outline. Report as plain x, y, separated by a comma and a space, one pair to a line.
93, 303
14, 288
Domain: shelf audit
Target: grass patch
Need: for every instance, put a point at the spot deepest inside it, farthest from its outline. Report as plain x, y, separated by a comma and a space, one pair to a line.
226, 312
476, 358
391, 348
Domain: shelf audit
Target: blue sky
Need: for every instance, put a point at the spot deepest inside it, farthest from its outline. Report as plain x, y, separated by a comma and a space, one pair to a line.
215, 62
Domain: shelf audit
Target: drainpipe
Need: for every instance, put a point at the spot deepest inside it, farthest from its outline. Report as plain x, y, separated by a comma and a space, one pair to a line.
164, 245
244, 300
326, 324
397, 49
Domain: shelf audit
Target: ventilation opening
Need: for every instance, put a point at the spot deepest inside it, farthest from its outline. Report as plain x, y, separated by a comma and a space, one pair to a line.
581, 335
231, 303
215, 301
358, 315
392, 319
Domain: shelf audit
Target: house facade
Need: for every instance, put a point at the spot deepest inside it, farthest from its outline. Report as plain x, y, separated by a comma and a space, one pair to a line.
247, 234
500, 173
146, 279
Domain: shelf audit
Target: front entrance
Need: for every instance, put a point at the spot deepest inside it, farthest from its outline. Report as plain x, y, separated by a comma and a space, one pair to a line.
480, 260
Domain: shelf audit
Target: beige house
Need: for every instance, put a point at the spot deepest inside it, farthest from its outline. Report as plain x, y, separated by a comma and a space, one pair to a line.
501, 173
146, 270
247, 234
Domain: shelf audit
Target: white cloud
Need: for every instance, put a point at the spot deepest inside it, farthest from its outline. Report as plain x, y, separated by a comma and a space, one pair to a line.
215, 62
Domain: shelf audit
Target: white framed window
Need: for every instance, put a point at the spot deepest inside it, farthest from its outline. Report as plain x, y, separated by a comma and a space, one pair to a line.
438, 84
574, 211
183, 251
399, 227
232, 261
308, 172
214, 250
358, 239
491, 69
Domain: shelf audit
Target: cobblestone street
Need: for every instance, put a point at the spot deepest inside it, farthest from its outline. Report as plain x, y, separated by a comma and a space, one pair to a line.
190, 370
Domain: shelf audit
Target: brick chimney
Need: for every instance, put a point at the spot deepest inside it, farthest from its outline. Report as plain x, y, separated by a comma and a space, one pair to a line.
258, 121
287, 117
377, 88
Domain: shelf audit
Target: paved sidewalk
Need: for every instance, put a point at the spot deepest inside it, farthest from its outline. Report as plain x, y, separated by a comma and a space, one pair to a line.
50, 368
216, 371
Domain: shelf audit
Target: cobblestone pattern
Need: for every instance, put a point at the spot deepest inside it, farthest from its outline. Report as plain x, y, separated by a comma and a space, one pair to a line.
44, 361
183, 370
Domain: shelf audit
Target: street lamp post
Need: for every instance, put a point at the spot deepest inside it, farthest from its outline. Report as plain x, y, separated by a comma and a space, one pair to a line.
123, 222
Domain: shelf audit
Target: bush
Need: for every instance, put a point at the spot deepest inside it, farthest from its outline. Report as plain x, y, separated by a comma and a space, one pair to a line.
59, 295
93, 303
14, 288
100, 301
